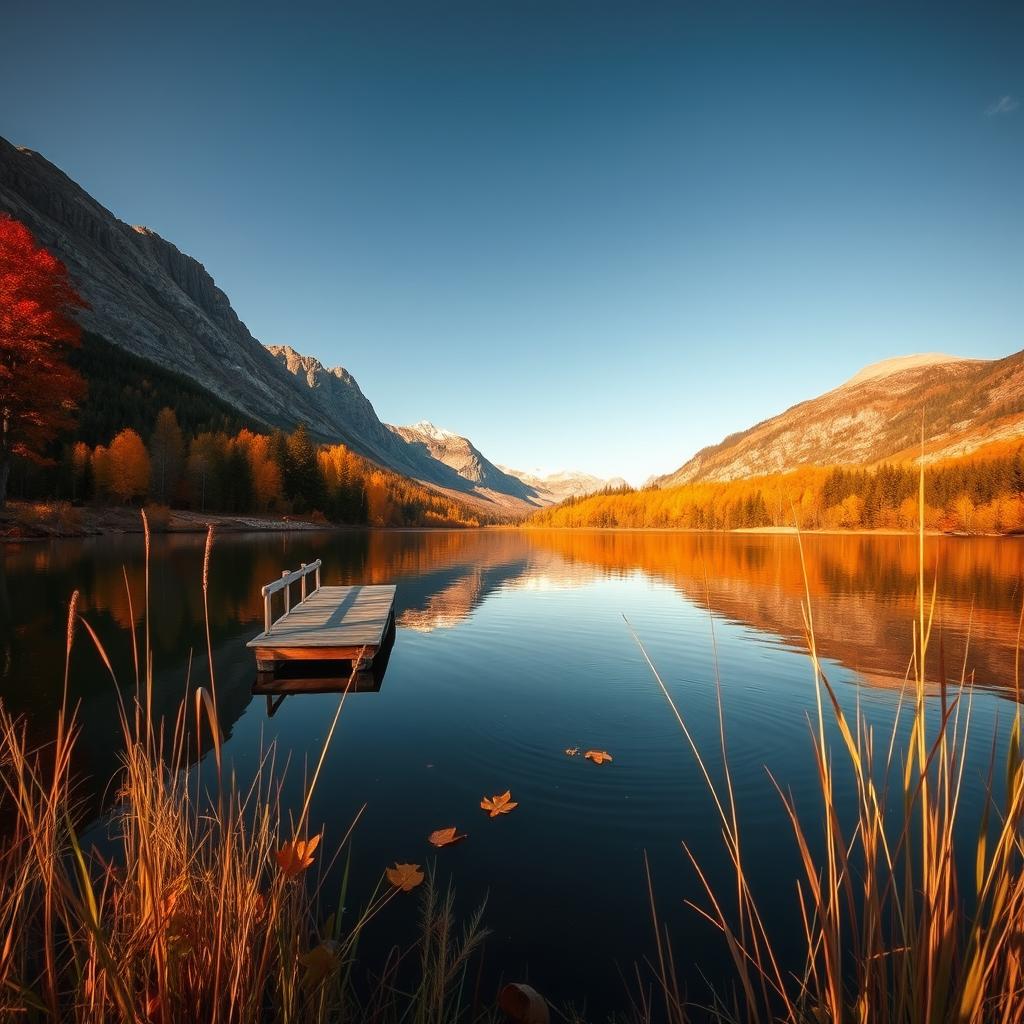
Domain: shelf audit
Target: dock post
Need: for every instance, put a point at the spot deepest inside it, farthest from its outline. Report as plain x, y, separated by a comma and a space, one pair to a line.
287, 595
302, 582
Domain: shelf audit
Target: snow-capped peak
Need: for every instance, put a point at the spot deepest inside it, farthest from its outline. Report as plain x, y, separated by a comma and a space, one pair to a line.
437, 433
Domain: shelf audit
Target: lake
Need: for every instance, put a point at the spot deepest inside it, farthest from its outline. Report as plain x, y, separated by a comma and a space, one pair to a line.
510, 648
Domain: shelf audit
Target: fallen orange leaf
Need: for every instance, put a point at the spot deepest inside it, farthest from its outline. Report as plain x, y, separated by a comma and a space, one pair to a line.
500, 804
446, 836
572, 751
404, 876
598, 756
319, 962
294, 857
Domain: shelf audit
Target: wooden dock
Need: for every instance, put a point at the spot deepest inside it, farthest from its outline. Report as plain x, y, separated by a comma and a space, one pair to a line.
327, 624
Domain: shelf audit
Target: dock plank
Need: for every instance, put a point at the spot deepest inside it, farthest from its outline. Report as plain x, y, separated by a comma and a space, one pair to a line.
332, 617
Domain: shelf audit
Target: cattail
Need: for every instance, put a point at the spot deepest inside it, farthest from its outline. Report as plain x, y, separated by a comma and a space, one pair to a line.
206, 557
145, 530
72, 615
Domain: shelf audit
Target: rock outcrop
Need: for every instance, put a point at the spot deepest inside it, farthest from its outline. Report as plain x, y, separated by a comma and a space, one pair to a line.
461, 455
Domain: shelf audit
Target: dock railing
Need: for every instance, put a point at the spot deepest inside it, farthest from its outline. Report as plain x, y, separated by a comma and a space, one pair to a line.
284, 584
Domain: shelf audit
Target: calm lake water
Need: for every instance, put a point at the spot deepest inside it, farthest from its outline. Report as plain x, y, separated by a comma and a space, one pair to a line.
511, 647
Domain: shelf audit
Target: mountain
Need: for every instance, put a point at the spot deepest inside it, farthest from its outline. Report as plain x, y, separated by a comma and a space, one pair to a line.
877, 415
462, 456
150, 299
556, 487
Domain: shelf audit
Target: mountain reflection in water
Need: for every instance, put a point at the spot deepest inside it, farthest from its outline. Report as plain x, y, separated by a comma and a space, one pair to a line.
862, 589
510, 647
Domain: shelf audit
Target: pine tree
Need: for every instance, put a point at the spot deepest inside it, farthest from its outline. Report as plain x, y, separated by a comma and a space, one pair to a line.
166, 450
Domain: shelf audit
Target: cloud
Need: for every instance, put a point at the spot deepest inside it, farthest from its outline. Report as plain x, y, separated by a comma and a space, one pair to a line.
1003, 105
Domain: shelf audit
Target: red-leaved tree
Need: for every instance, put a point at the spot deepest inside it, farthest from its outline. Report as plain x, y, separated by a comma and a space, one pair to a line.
39, 391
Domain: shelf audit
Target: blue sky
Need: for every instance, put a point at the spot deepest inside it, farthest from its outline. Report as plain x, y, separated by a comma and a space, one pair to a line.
596, 236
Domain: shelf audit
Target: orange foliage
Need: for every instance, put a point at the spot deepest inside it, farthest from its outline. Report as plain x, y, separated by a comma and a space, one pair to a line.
969, 495
266, 473
129, 469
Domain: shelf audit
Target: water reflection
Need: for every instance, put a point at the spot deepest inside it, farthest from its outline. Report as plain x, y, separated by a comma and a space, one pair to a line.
862, 589
510, 647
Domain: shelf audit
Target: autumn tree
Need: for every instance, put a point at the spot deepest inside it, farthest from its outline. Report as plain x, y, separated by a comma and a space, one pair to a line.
39, 391
963, 510
129, 466
264, 470
166, 453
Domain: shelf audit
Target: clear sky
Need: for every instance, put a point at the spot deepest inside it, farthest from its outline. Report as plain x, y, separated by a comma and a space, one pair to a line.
596, 236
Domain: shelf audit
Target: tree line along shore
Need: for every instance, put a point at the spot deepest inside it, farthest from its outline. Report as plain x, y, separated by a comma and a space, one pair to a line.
982, 493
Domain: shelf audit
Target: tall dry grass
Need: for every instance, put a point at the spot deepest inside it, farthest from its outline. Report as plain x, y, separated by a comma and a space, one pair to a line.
212, 905
889, 934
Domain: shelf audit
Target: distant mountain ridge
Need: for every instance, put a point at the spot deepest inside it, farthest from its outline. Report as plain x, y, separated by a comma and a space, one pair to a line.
877, 415
149, 298
462, 456
556, 487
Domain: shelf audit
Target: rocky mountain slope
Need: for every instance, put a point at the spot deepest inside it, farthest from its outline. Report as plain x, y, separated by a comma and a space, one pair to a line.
877, 415
151, 299
452, 464
556, 487
461, 455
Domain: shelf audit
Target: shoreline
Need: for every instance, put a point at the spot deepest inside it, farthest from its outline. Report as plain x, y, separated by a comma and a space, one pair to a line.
20, 522
770, 531
30, 521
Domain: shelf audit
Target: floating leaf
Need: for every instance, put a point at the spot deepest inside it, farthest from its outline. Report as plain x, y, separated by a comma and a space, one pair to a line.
523, 1004
598, 756
294, 857
572, 751
446, 836
405, 876
500, 804
319, 962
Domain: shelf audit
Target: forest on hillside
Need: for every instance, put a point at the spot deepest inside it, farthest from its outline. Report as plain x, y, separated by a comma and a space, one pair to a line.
980, 494
246, 472
146, 435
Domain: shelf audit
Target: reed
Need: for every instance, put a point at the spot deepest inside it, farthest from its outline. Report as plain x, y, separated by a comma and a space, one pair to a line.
888, 932
210, 906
